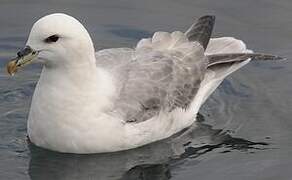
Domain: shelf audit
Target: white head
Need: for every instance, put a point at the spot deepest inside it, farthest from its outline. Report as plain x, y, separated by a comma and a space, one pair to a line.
57, 40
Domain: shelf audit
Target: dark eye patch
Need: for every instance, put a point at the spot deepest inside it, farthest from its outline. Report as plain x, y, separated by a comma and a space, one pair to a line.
51, 39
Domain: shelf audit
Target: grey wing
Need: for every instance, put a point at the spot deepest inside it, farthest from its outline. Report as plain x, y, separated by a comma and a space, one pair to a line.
113, 58
115, 61
201, 31
160, 79
162, 73
219, 59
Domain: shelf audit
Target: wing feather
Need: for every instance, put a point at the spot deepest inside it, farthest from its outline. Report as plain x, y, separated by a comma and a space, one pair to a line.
160, 74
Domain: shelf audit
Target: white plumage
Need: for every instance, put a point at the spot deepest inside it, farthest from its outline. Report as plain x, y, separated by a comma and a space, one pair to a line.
118, 99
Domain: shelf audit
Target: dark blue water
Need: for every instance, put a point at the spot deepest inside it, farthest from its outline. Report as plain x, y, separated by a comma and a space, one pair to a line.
245, 128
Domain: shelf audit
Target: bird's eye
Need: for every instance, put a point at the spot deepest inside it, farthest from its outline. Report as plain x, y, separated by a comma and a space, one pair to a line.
51, 39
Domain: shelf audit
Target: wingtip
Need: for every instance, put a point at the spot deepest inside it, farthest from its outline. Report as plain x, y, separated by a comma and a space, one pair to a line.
273, 57
213, 17
201, 31
280, 58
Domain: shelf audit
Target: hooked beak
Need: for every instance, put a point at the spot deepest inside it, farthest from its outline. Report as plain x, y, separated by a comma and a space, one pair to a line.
24, 57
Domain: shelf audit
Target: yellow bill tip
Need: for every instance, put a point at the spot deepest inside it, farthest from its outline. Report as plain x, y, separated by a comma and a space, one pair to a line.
11, 67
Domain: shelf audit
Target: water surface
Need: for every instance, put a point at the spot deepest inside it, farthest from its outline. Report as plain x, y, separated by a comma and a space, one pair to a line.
245, 129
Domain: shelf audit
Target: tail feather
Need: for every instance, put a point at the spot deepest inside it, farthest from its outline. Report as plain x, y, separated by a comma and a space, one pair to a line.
225, 56
213, 78
216, 74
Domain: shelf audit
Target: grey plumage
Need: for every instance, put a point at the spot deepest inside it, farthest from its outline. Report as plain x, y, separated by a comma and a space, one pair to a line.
239, 57
202, 30
154, 78
150, 82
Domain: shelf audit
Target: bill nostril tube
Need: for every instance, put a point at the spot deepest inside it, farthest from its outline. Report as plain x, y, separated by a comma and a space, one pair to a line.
25, 51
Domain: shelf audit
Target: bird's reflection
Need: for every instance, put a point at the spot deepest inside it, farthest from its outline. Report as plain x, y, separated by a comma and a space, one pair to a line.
148, 162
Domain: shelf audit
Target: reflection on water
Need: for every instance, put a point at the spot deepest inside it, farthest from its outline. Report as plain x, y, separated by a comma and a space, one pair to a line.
253, 103
150, 162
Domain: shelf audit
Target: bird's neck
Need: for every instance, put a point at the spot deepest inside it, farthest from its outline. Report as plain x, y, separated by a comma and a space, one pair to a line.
69, 110
84, 87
